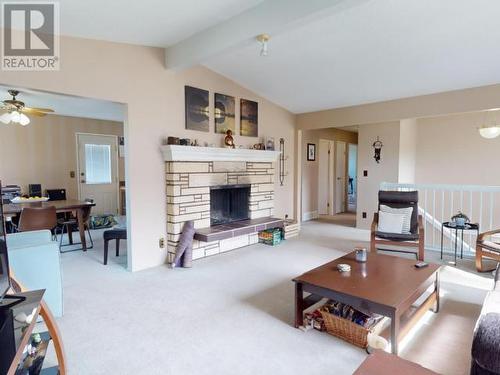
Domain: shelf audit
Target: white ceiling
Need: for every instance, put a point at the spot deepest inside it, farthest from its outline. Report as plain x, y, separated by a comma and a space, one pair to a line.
364, 51
158, 23
65, 105
376, 50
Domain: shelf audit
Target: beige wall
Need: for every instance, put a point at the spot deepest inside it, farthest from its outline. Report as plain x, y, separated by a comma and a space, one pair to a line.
136, 76
407, 150
459, 101
451, 151
45, 151
310, 168
385, 171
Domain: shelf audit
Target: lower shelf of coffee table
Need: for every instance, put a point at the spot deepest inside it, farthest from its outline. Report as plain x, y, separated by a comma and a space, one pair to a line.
410, 318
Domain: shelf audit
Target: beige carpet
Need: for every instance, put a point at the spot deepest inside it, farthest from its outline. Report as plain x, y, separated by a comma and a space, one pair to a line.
346, 219
232, 314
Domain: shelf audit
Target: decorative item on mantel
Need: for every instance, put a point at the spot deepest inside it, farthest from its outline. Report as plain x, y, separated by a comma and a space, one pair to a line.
270, 143
377, 145
228, 139
173, 140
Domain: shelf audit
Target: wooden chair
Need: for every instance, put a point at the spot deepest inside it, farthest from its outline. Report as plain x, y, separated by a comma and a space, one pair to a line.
37, 219
487, 248
414, 239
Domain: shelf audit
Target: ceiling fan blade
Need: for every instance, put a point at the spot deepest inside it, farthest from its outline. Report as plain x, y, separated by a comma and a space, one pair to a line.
39, 109
32, 112
36, 111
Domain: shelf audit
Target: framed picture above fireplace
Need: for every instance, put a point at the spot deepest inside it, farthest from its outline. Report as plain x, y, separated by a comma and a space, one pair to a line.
249, 115
196, 108
224, 113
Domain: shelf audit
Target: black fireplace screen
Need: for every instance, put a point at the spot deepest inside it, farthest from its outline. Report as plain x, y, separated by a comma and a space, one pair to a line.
228, 203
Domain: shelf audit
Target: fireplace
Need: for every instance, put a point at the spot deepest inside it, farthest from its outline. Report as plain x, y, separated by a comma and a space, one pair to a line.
228, 203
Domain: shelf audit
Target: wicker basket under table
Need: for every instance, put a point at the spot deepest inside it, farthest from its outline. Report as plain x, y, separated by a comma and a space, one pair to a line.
345, 329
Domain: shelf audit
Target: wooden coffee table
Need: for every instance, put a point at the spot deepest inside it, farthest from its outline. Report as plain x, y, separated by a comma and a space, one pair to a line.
385, 285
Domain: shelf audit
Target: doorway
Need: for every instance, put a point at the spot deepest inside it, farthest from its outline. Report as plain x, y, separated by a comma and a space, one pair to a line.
98, 171
325, 177
340, 178
334, 182
352, 175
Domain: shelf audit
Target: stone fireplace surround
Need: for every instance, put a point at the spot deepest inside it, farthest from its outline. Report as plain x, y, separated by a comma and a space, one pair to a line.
191, 171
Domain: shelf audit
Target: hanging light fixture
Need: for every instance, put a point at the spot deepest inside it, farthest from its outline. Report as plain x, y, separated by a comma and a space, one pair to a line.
489, 130
263, 39
15, 117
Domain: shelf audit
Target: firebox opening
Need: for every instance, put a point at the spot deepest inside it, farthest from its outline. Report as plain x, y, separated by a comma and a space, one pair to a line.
228, 203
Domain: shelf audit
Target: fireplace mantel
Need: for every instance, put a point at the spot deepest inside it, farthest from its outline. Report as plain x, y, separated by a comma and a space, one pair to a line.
193, 153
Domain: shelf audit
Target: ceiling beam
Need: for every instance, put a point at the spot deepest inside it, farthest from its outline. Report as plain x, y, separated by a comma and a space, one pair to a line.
271, 17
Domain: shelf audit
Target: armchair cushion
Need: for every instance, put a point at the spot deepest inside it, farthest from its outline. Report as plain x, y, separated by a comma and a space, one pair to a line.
405, 211
397, 236
401, 199
391, 222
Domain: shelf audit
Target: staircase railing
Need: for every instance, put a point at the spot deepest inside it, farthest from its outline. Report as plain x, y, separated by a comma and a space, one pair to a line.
438, 203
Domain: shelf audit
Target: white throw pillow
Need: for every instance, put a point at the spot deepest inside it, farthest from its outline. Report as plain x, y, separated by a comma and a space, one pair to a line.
407, 212
390, 223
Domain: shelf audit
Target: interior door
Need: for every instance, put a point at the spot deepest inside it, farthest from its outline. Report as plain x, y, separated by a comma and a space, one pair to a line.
323, 167
340, 179
98, 171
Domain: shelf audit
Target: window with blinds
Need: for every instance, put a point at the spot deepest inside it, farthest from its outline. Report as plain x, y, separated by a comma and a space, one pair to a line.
98, 164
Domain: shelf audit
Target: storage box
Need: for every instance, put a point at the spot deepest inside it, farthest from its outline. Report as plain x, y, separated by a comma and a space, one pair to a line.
270, 236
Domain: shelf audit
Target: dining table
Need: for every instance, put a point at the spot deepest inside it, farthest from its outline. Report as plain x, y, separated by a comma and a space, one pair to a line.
62, 206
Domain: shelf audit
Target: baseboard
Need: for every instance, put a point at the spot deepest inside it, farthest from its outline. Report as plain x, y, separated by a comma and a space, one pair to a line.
306, 216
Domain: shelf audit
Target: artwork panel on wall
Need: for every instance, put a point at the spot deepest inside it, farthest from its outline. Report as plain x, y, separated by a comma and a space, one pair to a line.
249, 114
224, 112
311, 152
196, 109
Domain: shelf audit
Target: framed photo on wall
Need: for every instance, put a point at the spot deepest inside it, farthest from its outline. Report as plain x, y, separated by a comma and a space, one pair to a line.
311, 152
196, 108
249, 114
224, 113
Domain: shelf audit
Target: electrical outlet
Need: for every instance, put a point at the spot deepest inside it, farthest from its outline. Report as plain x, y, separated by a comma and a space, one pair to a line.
364, 215
365, 173
161, 243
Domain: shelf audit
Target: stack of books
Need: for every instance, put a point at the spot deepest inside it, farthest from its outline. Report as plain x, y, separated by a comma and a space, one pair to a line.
291, 229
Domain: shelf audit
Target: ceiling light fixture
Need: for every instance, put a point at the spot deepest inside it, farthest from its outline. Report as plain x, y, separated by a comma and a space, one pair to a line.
15, 117
263, 39
489, 130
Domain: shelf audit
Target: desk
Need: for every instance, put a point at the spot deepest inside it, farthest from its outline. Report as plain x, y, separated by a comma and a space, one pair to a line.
68, 205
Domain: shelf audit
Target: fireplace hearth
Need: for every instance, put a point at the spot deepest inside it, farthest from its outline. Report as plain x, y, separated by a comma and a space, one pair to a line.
229, 203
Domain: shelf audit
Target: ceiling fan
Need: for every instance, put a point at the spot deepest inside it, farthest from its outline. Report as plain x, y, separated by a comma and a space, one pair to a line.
16, 110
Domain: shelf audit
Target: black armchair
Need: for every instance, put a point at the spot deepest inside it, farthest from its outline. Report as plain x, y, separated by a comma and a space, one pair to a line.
414, 239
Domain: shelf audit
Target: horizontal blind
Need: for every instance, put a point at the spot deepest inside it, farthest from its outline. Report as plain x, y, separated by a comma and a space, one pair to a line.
98, 164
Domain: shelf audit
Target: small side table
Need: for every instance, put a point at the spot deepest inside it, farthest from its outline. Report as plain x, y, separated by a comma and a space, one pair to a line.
452, 226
